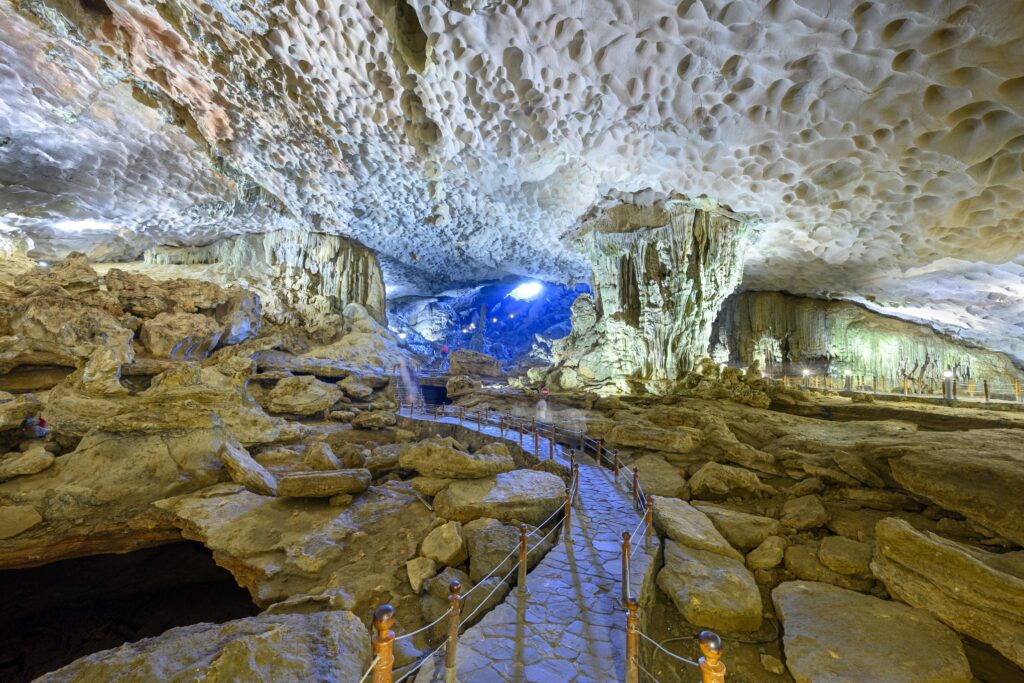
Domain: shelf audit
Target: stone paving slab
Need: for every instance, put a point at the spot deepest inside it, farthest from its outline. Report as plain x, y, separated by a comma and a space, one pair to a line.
570, 625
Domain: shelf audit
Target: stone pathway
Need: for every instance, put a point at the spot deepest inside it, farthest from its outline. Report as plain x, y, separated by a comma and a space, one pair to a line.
570, 625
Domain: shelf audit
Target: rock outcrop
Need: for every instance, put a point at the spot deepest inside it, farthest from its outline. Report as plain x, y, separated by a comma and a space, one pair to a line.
522, 495
443, 458
840, 635
290, 648
975, 592
660, 274
473, 364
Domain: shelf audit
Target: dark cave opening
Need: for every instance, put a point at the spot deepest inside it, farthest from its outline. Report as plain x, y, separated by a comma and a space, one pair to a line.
54, 614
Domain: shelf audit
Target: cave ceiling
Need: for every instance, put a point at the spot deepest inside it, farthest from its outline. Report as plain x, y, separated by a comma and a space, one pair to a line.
879, 144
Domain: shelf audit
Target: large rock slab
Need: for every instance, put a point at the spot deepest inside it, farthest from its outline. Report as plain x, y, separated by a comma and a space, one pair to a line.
983, 484
474, 364
639, 435
21, 463
287, 648
441, 458
715, 481
246, 471
302, 395
324, 484
180, 336
16, 409
445, 545
659, 477
741, 529
711, 590
834, 635
977, 593
99, 498
688, 526
522, 495
281, 547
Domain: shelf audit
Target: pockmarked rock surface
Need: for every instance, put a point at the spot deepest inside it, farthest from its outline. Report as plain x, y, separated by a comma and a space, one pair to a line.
324, 483
473, 364
871, 639
302, 395
528, 496
710, 590
291, 648
716, 481
978, 593
442, 457
743, 530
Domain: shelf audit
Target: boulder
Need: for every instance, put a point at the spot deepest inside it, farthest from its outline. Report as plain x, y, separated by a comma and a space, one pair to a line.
686, 525
419, 570
715, 481
844, 555
638, 435
439, 457
805, 512
460, 385
768, 555
430, 486
489, 543
180, 336
982, 484
474, 364
246, 471
978, 593
356, 387
319, 456
445, 545
374, 419
323, 484
658, 477
742, 530
31, 461
330, 645
522, 495
710, 590
857, 467
832, 634
434, 601
302, 395
802, 562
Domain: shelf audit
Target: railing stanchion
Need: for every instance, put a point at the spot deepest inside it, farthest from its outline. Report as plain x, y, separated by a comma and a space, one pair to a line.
600, 452
625, 567
551, 443
576, 479
984, 383
568, 510
636, 488
462, 415
453, 631
649, 517
712, 670
582, 449
520, 430
536, 439
615, 460
522, 557
632, 642
383, 641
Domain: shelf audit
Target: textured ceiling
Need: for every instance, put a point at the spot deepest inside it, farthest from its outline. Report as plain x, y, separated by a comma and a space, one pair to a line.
880, 142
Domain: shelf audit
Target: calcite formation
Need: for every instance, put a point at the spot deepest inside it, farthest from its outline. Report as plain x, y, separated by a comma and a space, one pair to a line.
660, 274
787, 334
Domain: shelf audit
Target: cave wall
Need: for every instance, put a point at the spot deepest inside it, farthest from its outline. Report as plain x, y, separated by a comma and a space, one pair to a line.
299, 276
660, 274
788, 333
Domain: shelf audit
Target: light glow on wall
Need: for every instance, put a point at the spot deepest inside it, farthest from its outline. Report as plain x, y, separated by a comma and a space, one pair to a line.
527, 291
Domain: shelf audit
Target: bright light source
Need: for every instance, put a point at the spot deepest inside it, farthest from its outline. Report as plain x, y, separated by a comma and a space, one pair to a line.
464, 330
402, 335
526, 291
847, 373
83, 225
511, 315
947, 374
44, 264
806, 372
494, 320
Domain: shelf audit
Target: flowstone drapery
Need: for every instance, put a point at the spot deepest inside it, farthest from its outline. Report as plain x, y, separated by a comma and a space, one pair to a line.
660, 275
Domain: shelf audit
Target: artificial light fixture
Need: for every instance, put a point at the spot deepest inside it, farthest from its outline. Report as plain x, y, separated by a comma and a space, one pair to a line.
947, 374
806, 372
402, 335
44, 264
527, 290
847, 373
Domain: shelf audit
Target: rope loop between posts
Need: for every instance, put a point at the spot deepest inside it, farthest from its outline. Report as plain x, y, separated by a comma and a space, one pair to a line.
656, 644
424, 628
369, 671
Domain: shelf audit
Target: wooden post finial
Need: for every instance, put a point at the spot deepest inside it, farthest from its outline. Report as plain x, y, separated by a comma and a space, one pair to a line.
712, 670
383, 641
626, 552
454, 618
636, 488
522, 557
649, 517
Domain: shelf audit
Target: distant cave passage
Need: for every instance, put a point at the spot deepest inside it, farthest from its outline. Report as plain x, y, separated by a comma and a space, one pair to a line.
52, 615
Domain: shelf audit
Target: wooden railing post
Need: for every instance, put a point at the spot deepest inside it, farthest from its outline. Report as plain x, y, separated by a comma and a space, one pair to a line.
551, 443
632, 642
615, 458
582, 449
636, 488
522, 557
712, 670
649, 517
954, 387
520, 435
383, 641
626, 548
536, 439
453, 631
874, 384
478, 420
568, 509
576, 479
984, 383
462, 415
1016, 389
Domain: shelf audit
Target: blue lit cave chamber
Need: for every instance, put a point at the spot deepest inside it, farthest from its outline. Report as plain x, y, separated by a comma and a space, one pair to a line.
515, 321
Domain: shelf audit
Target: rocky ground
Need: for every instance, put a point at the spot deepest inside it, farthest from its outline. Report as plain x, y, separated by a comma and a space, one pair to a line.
174, 411
782, 509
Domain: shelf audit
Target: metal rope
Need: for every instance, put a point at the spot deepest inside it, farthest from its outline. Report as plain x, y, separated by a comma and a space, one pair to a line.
498, 585
649, 674
421, 630
369, 671
423, 661
670, 654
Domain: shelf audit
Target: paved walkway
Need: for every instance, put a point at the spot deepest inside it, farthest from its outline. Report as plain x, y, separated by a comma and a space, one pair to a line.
570, 625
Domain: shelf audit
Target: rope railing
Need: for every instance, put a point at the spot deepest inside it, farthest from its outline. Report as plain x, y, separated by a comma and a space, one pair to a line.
946, 387
558, 439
